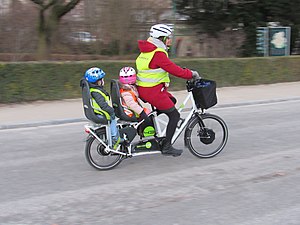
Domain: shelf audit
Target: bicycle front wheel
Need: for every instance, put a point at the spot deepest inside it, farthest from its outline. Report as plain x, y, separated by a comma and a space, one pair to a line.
206, 135
96, 154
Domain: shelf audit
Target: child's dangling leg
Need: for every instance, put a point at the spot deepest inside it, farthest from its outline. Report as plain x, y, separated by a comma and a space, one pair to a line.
116, 140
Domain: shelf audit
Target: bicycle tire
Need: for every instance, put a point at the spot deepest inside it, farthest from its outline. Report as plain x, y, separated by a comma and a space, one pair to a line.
96, 155
206, 135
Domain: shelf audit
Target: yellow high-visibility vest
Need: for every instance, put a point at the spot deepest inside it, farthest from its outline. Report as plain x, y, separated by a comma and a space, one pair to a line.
95, 105
147, 77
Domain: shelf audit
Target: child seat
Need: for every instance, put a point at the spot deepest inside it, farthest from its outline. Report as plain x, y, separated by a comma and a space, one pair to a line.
87, 104
117, 102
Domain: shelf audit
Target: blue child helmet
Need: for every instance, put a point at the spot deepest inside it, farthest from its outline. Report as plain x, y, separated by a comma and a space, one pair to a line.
94, 74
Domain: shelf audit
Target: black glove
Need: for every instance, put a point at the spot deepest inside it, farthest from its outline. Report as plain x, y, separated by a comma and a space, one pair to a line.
145, 117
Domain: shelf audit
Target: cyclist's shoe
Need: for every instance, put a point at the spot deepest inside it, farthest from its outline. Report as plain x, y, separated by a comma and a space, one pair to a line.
116, 142
168, 149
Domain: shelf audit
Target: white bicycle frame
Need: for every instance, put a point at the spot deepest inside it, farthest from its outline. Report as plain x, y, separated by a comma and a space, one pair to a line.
159, 124
161, 131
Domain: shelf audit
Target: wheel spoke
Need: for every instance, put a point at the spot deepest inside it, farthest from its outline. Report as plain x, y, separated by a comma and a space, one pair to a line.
97, 156
208, 137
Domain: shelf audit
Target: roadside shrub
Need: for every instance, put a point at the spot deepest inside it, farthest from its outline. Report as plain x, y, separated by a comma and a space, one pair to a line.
31, 81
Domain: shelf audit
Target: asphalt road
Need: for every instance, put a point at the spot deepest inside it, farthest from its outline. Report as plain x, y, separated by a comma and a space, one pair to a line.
45, 178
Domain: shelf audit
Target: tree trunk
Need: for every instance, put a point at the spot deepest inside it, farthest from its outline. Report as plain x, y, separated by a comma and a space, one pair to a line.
43, 52
48, 24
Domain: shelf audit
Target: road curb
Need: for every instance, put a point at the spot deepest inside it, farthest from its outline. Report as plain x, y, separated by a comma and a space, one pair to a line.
257, 102
77, 120
42, 123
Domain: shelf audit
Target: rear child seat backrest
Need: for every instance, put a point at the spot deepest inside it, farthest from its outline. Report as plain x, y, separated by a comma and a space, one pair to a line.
87, 104
116, 102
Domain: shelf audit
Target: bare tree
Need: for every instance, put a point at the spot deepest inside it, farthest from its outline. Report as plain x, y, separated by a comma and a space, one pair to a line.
17, 33
124, 21
48, 22
116, 21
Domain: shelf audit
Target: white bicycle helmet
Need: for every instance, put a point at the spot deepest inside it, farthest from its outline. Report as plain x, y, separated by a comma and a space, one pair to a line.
160, 30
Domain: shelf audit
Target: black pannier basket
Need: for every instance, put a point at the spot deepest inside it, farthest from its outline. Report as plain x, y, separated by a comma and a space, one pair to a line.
204, 92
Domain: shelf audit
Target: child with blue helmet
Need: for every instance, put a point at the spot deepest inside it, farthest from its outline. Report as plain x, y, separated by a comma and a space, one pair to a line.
100, 101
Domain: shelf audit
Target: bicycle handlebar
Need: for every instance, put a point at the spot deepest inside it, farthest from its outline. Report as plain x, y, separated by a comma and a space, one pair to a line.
190, 84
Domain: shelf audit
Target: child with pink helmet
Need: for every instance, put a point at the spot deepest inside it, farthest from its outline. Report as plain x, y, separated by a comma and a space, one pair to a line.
129, 94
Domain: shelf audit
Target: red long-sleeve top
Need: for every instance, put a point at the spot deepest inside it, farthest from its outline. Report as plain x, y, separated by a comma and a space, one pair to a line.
161, 60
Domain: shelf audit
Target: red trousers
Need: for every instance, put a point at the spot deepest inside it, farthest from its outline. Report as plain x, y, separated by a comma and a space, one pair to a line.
158, 96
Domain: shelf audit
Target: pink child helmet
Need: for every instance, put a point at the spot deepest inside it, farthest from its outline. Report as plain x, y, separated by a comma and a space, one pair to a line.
127, 75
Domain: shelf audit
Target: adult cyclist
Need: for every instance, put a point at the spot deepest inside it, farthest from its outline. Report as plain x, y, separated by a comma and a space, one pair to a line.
154, 67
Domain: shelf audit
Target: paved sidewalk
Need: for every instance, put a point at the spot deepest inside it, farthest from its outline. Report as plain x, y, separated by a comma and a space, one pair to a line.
56, 112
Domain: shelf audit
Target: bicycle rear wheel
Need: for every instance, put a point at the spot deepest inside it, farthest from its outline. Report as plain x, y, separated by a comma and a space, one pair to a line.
97, 156
206, 135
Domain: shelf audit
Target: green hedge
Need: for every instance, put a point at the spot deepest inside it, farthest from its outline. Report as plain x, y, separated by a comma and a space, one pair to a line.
23, 82
246, 71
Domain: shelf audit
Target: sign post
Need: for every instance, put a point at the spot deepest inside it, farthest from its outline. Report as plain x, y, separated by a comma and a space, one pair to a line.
273, 41
262, 41
280, 41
